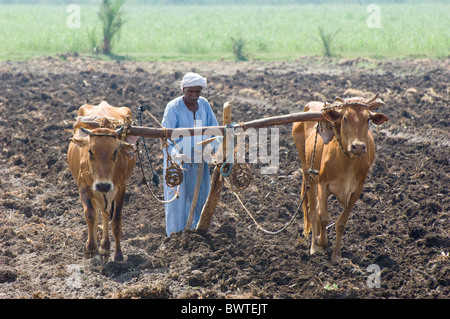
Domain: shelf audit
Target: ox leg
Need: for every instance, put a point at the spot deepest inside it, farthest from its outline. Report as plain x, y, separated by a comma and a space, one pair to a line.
312, 211
306, 220
340, 227
324, 216
341, 223
91, 216
116, 224
105, 244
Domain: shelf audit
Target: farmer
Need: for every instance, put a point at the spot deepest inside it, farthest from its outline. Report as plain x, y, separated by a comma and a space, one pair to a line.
189, 110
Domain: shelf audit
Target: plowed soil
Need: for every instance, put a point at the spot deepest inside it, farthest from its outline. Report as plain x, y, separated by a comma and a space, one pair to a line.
400, 224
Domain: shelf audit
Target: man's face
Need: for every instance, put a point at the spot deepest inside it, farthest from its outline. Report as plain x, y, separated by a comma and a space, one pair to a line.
191, 94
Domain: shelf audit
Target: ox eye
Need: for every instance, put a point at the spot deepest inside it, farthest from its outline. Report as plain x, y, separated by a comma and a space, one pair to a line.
116, 152
90, 152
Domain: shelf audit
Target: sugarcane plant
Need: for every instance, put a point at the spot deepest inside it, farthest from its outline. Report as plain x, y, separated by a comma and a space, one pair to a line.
111, 15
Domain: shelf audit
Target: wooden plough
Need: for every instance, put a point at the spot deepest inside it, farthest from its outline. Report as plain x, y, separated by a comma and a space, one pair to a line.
217, 178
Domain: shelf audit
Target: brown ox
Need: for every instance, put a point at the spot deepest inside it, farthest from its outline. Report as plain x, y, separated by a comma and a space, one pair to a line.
101, 164
343, 163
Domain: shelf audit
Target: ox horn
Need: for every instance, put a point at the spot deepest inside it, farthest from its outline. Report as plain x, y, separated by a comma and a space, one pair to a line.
373, 103
85, 130
339, 99
373, 98
119, 131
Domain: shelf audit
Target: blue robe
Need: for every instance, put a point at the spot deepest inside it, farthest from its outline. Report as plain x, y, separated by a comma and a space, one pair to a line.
177, 115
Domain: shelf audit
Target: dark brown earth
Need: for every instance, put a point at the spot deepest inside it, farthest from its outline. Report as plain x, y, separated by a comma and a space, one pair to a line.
401, 222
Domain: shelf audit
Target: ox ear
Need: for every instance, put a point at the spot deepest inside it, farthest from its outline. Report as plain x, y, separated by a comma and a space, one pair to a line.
80, 141
331, 115
132, 139
378, 118
325, 131
128, 149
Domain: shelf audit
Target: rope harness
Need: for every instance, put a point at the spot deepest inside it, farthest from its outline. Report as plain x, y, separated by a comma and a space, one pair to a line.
227, 166
174, 173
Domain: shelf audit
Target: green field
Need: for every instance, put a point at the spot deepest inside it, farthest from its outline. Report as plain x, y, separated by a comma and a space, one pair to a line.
205, 32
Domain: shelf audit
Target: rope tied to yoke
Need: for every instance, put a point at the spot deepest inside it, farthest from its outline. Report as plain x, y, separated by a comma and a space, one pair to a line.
155, 176
239, 174
174, 173
173, 178
311, 172
227, 166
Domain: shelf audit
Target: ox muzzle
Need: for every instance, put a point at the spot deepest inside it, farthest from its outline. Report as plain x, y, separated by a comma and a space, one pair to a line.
358, 148
103, 187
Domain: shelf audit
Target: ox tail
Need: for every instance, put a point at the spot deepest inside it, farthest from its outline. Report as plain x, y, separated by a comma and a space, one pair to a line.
306, 220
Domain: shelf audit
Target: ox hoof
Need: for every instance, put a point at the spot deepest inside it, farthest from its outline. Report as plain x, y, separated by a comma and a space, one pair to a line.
88, 254
300, 241
316, 249
103, 252
97, 261
323, 242
118, 256
336, 258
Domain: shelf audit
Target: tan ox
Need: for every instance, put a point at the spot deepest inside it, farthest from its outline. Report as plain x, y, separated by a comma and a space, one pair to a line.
101, 164
343, 162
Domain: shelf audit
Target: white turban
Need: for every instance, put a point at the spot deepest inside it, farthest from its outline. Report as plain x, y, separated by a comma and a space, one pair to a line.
193, 79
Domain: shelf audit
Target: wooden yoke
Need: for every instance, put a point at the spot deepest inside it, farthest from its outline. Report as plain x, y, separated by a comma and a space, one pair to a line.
315, 116
217, 179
